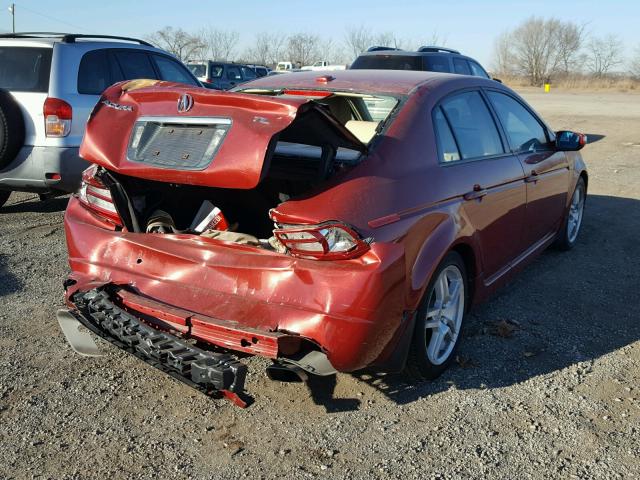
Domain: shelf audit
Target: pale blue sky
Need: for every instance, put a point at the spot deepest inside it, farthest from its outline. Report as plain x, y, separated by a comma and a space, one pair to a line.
468, 25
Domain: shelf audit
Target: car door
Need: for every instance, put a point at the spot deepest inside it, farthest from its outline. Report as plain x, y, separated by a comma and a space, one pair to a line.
488, 178
546, 169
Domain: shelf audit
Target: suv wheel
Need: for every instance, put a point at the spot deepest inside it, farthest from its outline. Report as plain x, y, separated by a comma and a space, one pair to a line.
11, 129
439, 320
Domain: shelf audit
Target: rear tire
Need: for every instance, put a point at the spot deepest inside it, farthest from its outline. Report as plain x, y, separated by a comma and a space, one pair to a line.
568, 234
439, 320
4, 196
11, 129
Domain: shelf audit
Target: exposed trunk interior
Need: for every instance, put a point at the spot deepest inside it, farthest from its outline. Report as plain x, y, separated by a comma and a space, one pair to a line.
293, 170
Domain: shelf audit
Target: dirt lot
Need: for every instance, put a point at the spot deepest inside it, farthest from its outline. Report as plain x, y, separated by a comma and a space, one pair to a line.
547, 386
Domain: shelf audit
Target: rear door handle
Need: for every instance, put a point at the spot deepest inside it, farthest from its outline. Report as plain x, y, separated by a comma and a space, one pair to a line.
478, 192
532, 178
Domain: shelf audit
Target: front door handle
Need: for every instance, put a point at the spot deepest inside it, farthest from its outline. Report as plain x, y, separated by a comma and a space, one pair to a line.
477, 192
532, 178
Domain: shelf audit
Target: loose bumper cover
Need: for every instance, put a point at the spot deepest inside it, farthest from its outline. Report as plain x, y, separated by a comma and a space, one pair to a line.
212, 373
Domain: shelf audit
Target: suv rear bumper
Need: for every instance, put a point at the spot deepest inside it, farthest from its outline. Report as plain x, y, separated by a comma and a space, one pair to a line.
44, 169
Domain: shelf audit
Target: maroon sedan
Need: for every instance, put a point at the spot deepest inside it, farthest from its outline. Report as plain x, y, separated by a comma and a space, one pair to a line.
329, 223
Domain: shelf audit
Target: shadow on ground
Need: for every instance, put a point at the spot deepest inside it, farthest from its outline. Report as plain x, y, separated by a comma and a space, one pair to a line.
9, 283
565, 308
594, 137
35, 205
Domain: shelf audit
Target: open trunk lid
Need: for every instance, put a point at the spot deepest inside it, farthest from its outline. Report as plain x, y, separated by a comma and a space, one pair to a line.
174, 133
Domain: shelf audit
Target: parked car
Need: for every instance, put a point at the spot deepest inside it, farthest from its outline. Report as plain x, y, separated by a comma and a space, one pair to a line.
285, 67
49, 83
323, 65
429, 58
222, 75
399, 200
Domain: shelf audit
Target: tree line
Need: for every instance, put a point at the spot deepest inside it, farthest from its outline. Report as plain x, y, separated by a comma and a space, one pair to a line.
543, 49
269, 48
538, 49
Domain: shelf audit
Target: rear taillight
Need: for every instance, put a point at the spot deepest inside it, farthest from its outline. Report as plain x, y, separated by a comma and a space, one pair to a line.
57, 117
326, 241
96, 197
208, 80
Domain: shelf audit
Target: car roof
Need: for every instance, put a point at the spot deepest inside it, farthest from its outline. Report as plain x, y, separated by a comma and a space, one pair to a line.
49, 39
398, 82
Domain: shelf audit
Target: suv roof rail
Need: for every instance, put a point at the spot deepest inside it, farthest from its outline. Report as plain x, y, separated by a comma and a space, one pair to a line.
379, 48
434, 48
72, 37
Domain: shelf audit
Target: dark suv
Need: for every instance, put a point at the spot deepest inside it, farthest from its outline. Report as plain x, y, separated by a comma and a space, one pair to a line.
433, 59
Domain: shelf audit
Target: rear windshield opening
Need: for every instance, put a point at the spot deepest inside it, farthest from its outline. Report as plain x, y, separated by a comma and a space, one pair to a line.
25, 69
362, 114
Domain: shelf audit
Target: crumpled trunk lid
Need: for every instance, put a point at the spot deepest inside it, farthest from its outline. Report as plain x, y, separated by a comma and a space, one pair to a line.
223, 139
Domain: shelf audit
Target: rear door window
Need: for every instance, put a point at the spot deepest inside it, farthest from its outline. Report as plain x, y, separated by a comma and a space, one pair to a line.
461, 66
135, 64
172, 71
472, 125
524, 131
94, 74
437, 63
447, 148
25, 69
233, 73
248, 73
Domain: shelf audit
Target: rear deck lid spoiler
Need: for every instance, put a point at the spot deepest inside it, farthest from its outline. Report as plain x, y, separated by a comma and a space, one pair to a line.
174, 133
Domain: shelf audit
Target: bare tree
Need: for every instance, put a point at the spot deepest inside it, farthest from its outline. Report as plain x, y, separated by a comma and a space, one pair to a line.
634, 65
604, 54
303, 48
535, 47
178, 42
388, 39
267, 49
571, 38
358, 39
538, 48
220, 44
503, 57
434, 39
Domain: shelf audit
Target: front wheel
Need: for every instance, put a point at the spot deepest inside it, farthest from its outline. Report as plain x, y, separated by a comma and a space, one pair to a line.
568, 234
439, 320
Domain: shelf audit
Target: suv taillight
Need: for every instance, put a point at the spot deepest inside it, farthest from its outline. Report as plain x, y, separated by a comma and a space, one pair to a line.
325, 241
96, 197
57, 117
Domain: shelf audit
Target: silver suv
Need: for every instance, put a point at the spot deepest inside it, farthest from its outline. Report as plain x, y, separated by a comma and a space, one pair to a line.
49, 83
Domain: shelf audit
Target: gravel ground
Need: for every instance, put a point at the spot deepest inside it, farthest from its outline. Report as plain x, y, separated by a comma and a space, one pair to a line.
546, 384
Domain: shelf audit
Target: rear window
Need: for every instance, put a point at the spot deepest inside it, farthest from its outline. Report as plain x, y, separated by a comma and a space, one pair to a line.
172, 71
25, 69
388, 62
135, 64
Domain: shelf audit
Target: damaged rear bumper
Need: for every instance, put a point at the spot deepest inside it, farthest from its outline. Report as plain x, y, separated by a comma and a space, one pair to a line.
210, 372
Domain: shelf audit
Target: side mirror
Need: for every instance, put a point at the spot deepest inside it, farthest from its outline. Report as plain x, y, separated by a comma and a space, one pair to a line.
570, 141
